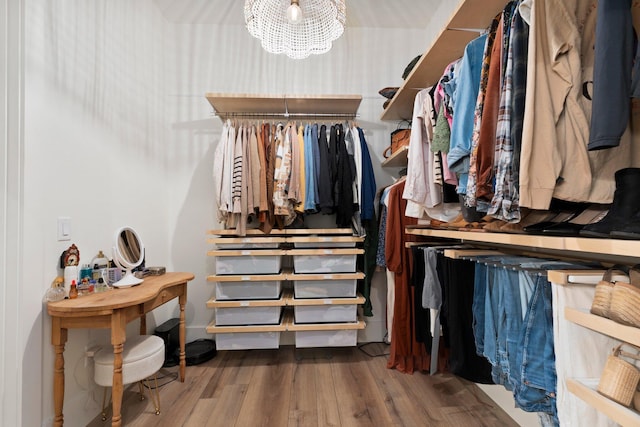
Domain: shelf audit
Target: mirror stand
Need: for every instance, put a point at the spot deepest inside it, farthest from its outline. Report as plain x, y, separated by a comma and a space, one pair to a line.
128, 253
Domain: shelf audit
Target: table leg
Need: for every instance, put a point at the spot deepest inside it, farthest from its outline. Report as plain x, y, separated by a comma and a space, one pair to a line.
182, 300
118, 337
58, 339
143, 324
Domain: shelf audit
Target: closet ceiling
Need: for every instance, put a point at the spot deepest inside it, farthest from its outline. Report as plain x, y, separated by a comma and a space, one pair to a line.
360, 13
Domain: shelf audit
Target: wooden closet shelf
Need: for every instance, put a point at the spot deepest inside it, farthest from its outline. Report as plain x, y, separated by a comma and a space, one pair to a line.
359, 299
284, 275
212, 328
324, 239
586, 389
461, 253
447, 46
251, 105
580, 245
246, 277
325, 276
603, 325
280, 302
327, 251
232, 233
397, 159
246, 252
240, 240
589, 277
299, 327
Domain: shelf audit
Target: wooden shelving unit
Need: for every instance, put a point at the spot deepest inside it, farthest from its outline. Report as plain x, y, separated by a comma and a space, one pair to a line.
471, 16
252, 309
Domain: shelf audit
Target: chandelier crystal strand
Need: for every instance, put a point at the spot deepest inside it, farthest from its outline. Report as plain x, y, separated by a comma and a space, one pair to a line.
322, 23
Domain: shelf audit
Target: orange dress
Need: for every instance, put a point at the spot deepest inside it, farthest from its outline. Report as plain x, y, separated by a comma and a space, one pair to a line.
407, 355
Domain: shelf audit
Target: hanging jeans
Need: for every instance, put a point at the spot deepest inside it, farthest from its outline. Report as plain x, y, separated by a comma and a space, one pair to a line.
536, 388
491, 312
479, 291
509, 327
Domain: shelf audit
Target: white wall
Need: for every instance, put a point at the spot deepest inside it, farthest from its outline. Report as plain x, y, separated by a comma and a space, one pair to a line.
11, 197
95, 152
117, 131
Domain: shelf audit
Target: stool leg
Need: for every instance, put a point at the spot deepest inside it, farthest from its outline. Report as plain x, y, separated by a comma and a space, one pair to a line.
104, 404
141, 389
156, 397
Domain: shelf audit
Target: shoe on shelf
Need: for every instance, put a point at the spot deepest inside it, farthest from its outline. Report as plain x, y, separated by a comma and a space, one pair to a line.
455, 223
629, 230
623, 208
494, 226
563, 210
559, 217
529, 217
572, 227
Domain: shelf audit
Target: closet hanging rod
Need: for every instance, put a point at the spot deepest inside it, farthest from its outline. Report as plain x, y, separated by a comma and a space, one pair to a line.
287, 115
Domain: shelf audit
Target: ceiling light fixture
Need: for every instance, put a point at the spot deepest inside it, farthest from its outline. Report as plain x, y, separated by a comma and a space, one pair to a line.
294, 13
297, 28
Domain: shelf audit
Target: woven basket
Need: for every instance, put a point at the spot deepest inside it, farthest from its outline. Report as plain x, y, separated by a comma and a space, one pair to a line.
601, 304
602, 298
625, 304
619, 379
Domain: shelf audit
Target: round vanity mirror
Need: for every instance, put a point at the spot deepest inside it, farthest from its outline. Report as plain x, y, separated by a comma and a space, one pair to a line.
128, 253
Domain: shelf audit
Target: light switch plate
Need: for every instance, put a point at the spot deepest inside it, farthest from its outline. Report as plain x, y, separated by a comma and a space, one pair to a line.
64, 228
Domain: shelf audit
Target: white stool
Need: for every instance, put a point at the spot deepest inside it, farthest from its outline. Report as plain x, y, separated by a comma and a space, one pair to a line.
142, 356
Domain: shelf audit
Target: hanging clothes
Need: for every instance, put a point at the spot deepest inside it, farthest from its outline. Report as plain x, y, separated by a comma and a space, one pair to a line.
457, 279
266, 217
496, 101
303, 174
368, 181
368, 220
557, 113
420, 190
325, 174
280, 173
613, 63
344, 205
505, 202
283, 208
255, 166
471, 185
465, 96
311, 189
223, 172
406, 354
262, 181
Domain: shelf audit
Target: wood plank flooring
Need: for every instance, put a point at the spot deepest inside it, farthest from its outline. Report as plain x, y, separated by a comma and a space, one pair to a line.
341, 387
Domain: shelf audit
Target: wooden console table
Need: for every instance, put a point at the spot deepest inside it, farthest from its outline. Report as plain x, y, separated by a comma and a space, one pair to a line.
113, 310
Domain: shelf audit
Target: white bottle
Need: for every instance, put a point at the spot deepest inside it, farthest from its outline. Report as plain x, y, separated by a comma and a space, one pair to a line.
70, 274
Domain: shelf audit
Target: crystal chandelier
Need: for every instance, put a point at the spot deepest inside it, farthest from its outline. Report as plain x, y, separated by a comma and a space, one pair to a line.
297, 28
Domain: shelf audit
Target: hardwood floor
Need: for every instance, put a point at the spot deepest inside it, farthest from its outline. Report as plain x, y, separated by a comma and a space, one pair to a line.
341, 387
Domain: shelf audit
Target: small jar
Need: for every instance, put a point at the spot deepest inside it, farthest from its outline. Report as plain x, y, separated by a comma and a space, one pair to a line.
101, 286
73, 292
